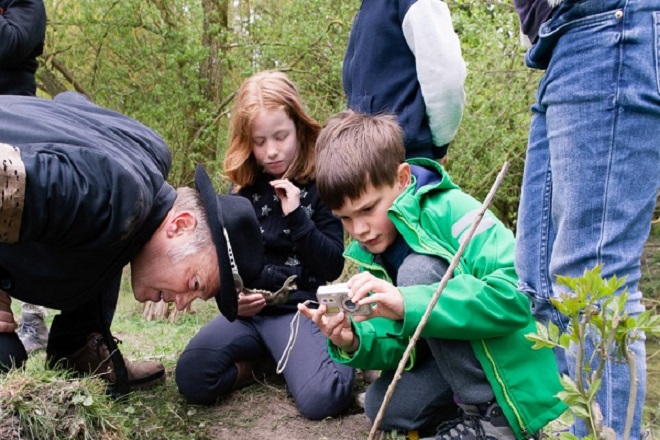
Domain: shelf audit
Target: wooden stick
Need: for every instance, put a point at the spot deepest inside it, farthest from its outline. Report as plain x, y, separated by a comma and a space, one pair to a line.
434, 299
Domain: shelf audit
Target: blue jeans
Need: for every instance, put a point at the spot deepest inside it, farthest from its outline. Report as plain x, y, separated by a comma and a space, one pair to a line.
592, 168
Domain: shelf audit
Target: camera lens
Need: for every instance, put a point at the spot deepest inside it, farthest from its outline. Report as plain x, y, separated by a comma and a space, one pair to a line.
349, 305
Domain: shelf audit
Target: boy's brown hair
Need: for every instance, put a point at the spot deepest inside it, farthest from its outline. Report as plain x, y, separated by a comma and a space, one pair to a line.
355, 150
268, 90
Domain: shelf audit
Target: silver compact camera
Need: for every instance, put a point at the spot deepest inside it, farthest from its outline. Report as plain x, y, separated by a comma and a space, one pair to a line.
335, 297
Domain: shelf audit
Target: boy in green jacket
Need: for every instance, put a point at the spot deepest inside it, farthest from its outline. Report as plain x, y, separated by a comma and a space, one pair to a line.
473, 374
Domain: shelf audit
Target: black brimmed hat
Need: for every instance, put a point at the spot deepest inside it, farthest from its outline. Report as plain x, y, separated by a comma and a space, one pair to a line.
236, 215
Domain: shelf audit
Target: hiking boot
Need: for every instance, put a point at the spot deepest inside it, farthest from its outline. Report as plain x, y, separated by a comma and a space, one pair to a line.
249, 371
360, 399
33, 332
94, 358
483, 422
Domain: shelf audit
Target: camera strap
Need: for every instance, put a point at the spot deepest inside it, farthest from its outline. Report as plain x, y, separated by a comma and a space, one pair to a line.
295, 321
293, 335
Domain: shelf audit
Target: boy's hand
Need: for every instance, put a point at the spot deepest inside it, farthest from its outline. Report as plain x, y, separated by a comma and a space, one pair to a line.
386, 299
337, 327
288, 193
250, 305
7, 322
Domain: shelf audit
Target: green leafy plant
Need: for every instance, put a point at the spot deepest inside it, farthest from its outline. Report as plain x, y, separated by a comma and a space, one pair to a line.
40, 404
596, 315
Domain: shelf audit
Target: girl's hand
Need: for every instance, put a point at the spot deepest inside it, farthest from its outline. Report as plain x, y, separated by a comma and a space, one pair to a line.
249, 305
7, 322
337, 328
288, 193
386, 299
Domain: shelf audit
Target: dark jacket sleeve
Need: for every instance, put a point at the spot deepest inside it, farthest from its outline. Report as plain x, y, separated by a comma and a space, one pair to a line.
319, 240
22, 29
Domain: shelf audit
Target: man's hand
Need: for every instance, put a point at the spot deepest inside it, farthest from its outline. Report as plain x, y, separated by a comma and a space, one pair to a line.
250, 305
288, 193
337, 328
385, 298
7, 322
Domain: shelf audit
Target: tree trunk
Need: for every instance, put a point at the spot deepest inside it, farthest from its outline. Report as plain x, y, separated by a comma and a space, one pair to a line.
214, 38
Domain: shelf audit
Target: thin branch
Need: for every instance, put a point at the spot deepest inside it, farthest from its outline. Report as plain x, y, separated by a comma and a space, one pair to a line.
69, 76
318, 40
220, 114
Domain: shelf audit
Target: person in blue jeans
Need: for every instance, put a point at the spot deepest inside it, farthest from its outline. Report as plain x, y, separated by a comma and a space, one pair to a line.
270, 161
593, 163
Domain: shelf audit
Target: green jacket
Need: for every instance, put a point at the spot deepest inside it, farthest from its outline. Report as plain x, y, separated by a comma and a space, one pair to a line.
480, 303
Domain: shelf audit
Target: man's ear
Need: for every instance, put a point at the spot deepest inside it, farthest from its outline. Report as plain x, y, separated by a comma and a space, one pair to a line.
403, 175
181, 222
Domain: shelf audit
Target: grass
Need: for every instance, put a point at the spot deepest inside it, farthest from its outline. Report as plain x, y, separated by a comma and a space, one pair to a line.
39, 404
43, 404
650, 285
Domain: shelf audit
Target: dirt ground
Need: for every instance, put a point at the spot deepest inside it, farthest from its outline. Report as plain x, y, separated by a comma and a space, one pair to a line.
264, 411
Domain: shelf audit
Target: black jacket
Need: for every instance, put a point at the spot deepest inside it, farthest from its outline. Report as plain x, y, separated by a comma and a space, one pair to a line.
22, 33
95, 194
308, 242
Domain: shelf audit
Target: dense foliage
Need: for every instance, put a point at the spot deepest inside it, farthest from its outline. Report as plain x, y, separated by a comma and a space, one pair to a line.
175, 66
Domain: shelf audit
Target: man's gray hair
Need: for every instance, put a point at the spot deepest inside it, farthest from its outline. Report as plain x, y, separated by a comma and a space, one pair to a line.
188, 199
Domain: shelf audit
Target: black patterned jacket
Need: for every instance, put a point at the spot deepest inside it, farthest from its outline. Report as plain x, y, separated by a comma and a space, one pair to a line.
308, 242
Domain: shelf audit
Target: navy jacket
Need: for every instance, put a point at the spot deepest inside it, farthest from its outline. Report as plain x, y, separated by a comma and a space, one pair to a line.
403, 57
532, 13
308, 242
95, 194
22, 33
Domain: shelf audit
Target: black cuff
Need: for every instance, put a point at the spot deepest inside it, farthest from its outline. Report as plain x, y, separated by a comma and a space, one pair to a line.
439, 152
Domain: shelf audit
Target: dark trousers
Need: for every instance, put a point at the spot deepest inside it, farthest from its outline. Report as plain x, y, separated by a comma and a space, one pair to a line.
70, 328
12, 353
320, 387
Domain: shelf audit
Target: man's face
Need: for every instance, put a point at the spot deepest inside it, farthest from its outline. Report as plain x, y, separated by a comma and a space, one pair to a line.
366, 218
160, 278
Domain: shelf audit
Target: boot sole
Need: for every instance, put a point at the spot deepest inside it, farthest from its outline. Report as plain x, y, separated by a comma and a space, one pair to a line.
147, 382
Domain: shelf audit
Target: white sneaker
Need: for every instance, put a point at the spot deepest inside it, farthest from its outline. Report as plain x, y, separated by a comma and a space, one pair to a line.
359, 399
33, 332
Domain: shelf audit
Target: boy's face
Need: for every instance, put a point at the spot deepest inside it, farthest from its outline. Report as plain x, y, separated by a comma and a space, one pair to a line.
366, 218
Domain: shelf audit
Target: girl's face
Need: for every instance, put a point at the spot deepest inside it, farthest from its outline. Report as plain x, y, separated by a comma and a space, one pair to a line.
274, 141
